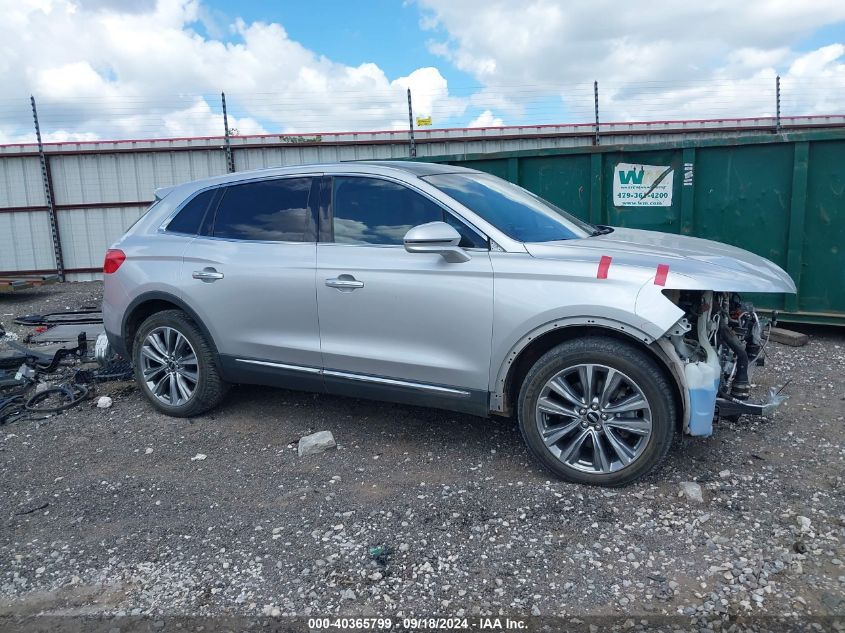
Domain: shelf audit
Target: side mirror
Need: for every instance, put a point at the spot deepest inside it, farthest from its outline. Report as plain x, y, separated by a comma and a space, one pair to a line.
436, 237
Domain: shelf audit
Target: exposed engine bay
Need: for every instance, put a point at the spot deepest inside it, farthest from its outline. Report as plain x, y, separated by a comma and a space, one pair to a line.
720, 340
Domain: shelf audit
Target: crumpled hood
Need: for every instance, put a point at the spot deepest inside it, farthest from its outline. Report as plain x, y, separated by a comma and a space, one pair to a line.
694, 263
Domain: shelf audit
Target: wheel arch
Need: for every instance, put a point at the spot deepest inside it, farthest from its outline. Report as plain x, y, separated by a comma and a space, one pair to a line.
149, 303
533, 345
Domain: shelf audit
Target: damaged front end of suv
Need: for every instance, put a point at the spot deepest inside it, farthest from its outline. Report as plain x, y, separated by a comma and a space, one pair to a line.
718, 341
717, 338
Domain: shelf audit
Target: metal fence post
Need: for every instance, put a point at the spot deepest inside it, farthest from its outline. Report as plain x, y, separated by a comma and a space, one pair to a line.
47, 180
412, 147
230, 163
596, 140
777, 104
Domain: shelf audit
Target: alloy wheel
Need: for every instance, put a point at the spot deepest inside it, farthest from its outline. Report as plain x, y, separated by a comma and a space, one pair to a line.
594, 418
169, 366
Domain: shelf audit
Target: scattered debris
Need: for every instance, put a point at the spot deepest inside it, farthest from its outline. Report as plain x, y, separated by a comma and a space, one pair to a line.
803, 523
41, 380
68, 332
32, 507
24, 282
88, 315
381, 554
316, 443
199, 457
692, 491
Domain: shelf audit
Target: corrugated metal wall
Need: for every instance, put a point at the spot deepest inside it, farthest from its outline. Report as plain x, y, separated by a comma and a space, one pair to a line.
100, 188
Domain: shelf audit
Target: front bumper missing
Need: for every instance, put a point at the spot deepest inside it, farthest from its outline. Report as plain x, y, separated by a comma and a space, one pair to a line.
726, 407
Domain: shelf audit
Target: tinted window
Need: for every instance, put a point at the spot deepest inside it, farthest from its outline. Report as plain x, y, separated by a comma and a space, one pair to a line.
372, 211
270, 210
189, 218
516, 212
469, 238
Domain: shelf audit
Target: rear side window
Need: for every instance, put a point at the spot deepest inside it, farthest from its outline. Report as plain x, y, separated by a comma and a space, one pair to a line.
189, 218
269, 210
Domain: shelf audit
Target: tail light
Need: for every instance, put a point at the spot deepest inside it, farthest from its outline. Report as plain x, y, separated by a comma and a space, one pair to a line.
114, 258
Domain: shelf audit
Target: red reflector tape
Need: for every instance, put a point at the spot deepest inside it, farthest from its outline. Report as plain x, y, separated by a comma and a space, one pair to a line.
662, 273
604, 266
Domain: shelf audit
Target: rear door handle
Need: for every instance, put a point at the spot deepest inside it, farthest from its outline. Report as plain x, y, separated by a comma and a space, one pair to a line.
207, 274
344, 282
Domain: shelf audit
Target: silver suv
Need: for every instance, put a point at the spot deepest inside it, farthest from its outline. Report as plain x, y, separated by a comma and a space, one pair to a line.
439, 286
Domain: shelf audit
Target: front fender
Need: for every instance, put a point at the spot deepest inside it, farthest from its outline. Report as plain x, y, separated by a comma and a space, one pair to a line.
502, 366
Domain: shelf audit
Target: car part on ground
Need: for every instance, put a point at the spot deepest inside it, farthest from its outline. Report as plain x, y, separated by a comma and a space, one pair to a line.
25, 282
41, 381
86, 315
68, 332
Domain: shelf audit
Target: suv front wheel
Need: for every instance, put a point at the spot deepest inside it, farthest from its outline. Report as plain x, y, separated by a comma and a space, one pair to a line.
175, 365
597, 411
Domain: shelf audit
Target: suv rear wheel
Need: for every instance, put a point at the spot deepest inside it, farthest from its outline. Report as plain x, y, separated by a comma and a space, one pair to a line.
597, 411
175, 365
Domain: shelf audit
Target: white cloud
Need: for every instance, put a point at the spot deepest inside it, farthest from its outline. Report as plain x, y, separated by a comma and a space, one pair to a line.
665, 60
116, 69
486, 119
98, 69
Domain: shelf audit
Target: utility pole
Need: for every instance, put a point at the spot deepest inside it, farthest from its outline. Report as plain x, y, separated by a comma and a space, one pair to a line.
777, 104
412, 148
47, 180
230, 163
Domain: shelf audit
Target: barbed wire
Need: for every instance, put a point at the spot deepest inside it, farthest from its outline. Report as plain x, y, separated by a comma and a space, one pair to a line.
309, 110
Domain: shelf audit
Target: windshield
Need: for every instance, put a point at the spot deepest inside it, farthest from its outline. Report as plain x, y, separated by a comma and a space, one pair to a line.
516, 212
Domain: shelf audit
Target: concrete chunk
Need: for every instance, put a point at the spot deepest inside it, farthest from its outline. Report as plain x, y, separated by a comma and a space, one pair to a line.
316, 443
692, 491
788, 337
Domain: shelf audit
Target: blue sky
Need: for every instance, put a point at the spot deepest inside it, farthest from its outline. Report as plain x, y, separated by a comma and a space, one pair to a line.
386, 32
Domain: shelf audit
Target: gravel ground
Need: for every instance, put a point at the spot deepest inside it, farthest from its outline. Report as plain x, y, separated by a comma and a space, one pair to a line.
116, 511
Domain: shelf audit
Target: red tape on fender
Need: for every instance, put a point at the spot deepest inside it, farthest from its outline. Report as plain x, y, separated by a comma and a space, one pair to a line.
604, 266
662, 273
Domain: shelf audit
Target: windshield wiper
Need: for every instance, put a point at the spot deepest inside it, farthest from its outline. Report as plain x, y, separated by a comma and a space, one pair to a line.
601, 230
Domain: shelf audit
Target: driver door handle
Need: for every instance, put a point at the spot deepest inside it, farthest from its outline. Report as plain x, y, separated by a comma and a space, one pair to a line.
207, 274
344, 282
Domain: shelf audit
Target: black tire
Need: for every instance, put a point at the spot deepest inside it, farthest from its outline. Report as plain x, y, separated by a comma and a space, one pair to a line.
622, 357
210, 387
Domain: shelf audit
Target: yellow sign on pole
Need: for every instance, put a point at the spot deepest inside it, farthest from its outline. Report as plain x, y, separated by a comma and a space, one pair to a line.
423, 120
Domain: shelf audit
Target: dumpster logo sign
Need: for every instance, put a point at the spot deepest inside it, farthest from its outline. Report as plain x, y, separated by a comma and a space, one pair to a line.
642, 185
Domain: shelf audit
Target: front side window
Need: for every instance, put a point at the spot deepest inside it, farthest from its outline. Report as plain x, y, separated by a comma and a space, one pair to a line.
374, 211
515, 211
268, 210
